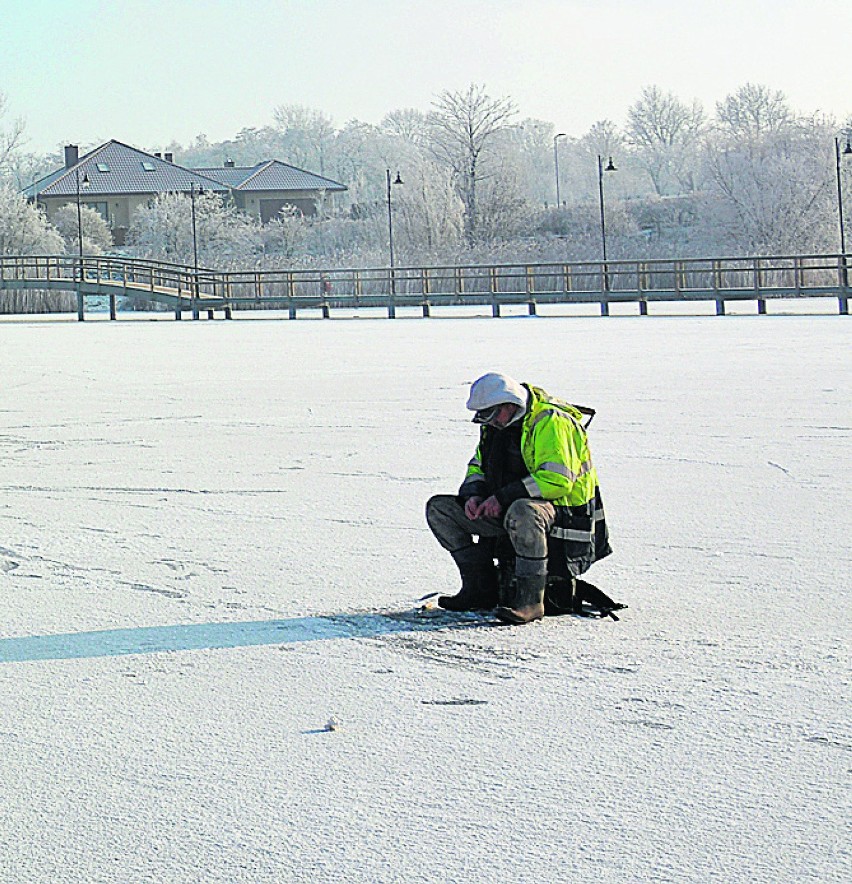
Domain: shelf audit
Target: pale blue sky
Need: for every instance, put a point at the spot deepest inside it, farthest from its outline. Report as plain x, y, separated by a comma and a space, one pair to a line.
149, 71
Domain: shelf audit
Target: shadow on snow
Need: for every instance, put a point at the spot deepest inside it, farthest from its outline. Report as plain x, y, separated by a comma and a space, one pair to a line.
206, 636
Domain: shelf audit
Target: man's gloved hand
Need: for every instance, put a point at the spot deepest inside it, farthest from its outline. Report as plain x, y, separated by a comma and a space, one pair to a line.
490, 507
471, 507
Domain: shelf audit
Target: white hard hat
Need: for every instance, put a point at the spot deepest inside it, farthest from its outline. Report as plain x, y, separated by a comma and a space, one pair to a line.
495, 389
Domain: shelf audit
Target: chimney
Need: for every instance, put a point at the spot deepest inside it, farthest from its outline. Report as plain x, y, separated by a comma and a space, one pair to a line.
170, 157
158, 155
72, 155
229, 163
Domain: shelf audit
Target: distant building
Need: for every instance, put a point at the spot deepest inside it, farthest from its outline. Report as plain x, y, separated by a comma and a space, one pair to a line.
115, 179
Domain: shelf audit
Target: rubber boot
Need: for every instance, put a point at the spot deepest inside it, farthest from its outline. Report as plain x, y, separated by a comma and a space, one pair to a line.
478, 592
528, 602
561, 597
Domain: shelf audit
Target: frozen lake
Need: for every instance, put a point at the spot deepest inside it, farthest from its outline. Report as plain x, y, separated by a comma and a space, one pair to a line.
212, 541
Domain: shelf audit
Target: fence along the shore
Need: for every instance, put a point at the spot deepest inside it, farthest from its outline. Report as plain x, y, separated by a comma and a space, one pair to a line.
643, 281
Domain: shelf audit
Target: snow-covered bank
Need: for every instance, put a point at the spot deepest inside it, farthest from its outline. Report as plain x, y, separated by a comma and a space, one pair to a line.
263, 482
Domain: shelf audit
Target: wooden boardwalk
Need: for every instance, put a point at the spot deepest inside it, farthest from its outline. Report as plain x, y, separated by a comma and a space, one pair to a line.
643, 282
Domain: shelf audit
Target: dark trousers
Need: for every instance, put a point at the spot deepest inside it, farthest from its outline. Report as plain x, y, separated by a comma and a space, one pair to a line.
526, 522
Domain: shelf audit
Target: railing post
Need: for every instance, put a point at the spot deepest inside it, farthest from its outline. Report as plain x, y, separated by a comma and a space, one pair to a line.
531, 307
494, 285
392, 294
194, 299
291, 293
717, 285
761, 303
80, 304
424, 290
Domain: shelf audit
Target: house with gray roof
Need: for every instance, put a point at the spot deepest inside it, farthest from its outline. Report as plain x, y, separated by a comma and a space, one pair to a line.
115, 179
265, 189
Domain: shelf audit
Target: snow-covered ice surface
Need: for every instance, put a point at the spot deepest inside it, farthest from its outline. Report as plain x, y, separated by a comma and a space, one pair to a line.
203, 526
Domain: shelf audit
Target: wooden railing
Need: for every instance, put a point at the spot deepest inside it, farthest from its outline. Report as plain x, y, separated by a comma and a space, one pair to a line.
642, 281
174, 285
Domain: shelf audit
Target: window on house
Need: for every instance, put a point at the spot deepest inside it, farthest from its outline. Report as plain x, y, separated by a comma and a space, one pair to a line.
147, 167
103, 167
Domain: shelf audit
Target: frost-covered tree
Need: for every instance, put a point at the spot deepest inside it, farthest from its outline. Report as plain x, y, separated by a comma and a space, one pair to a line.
504, 210
359, 162
428, 211
528, 150
284, 236
579, 164
224, 236
24, 229
407, 123
665, 133
771, 173
24, 168
96, 233
11, 137
305, 136
754, 112
463, 126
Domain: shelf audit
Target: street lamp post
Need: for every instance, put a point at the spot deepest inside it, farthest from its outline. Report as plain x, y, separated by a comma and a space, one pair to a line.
192, 192
85, 184
610, 167
844, 270
397, 180
194, 249
556, 164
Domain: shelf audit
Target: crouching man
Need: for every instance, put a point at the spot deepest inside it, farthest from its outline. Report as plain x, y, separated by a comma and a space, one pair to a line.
532, 480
